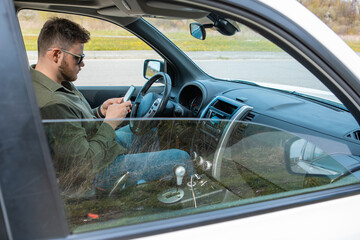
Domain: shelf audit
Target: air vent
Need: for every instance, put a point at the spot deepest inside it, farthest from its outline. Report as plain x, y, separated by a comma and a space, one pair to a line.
354, 135
249, 117
237, 134
240, 128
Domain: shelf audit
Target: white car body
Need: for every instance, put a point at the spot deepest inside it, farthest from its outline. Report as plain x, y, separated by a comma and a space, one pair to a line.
331, 220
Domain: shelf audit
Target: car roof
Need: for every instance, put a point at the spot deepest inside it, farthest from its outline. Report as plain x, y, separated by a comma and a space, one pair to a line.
116, 8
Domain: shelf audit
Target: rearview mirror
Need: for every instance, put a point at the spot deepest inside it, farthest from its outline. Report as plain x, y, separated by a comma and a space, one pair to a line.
152, 67
197, 31
224, 26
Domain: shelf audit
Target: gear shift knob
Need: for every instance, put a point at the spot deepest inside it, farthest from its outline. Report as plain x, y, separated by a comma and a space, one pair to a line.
179, 173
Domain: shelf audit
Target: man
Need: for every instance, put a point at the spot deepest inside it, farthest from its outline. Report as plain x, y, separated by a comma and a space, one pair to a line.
86, 150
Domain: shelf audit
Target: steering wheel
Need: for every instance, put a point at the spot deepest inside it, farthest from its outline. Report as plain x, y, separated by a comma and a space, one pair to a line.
149, 105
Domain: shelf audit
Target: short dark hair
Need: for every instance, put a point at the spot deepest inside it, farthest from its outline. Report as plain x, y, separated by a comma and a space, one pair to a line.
61, 32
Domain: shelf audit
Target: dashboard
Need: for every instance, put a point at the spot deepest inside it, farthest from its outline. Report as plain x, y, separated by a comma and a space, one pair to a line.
191, 97
331, 128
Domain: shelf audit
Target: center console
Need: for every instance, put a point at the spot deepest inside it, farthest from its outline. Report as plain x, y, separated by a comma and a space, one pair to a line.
213, 130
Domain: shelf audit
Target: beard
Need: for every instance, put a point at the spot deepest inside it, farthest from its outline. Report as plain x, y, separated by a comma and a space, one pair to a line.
65, 72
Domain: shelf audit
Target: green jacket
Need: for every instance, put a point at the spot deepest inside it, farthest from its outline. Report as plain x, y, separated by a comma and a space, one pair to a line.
81, 144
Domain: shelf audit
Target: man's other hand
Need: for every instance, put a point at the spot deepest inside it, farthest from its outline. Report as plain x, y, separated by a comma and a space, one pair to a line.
116, 112
104, 107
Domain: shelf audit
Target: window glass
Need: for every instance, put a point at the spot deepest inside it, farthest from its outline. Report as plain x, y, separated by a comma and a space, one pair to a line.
343, 17
113, 56
309, 151
247, 163
246, 55
153, 169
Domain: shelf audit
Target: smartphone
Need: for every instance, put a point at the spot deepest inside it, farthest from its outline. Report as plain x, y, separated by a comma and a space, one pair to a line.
129, 93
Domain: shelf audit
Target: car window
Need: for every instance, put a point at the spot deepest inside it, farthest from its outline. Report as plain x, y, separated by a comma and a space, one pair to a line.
246, 55
183, 166
341, 16
250, 163
113, 56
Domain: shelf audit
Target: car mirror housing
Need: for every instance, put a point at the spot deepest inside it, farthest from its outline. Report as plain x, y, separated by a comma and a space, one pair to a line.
152, 67
224, 26
304, 158
197, 31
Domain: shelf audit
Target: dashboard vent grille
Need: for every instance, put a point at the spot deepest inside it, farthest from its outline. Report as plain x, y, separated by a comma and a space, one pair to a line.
354, 135
249, 117
239, 129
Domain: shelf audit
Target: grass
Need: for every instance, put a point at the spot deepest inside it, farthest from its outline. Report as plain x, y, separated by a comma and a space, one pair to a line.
253, 165
355, 45
115, 44
119, 40
119, 44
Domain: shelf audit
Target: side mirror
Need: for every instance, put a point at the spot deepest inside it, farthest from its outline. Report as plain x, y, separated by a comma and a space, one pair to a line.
197, 31
304, 158
152, 67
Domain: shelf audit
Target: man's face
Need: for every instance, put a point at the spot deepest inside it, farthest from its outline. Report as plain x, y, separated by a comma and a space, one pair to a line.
69, 67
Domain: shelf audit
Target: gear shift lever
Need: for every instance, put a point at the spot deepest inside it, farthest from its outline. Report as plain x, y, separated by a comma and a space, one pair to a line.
179, 173
174, 195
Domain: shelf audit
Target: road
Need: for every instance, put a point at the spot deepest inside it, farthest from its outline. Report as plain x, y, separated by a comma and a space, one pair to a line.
110, 68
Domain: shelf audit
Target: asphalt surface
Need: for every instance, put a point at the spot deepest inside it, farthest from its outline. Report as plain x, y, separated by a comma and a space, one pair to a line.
123, 68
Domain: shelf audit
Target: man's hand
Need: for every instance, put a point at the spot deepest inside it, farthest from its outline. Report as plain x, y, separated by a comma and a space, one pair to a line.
116, 112
104, 107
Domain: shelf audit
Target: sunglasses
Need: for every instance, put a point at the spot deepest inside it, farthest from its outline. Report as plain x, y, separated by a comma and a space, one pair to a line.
79, 57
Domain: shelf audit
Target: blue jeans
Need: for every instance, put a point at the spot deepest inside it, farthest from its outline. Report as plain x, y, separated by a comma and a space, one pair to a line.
142, 167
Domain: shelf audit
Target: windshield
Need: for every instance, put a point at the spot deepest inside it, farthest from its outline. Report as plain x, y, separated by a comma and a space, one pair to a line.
246, 55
